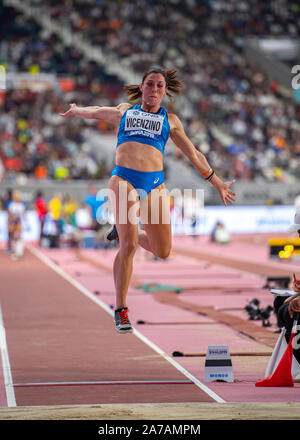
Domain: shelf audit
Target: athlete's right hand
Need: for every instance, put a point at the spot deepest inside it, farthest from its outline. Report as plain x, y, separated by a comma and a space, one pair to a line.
70, 112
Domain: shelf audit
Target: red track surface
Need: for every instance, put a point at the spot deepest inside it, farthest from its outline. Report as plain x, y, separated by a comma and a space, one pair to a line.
57, 334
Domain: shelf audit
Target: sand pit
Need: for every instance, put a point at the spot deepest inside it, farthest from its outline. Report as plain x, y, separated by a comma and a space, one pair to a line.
160, 411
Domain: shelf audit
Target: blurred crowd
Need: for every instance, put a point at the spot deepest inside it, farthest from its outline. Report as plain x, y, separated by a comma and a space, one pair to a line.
245, 123
35, 142
63, 221
233, 22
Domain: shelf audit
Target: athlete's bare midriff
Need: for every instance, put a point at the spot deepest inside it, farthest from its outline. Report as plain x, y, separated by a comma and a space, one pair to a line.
141, 157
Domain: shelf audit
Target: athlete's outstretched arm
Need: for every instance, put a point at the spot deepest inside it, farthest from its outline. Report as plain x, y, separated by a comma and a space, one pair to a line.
108, 114
198, 160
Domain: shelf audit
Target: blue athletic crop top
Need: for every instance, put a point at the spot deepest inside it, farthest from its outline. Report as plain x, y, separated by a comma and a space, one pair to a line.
137, 125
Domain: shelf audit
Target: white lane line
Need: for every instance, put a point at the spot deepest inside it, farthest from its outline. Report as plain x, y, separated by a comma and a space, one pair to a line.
105, 382
143, 338
186, 373
10, 394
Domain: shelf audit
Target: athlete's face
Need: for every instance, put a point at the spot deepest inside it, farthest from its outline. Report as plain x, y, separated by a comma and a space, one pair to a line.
153, 89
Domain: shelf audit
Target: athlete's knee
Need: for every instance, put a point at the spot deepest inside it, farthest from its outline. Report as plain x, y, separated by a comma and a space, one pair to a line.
128, 247
163, 252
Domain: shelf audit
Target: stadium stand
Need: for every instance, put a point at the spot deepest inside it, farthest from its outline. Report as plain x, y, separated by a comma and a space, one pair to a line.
245, 122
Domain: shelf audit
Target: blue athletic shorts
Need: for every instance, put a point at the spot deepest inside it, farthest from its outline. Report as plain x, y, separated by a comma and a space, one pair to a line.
142, 181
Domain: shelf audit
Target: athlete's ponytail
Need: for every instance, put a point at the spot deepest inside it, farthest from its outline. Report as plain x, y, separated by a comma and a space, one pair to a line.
174, 84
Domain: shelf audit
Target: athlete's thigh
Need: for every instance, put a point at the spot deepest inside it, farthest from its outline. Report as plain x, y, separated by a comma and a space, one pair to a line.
125, 204
155, 218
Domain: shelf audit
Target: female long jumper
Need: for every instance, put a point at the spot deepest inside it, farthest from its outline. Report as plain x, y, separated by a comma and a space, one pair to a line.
143, 132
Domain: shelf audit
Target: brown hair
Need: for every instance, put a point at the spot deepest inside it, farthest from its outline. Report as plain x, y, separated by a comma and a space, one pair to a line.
172, 83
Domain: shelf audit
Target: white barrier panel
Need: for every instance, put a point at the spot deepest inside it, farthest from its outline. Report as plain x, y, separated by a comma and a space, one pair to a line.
236, 219
239, 220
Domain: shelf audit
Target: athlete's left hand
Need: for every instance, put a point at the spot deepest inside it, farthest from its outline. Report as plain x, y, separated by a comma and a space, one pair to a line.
226, 194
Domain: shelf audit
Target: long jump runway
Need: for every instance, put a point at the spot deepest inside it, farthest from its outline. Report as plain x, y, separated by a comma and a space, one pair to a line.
61, 353
59, 346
